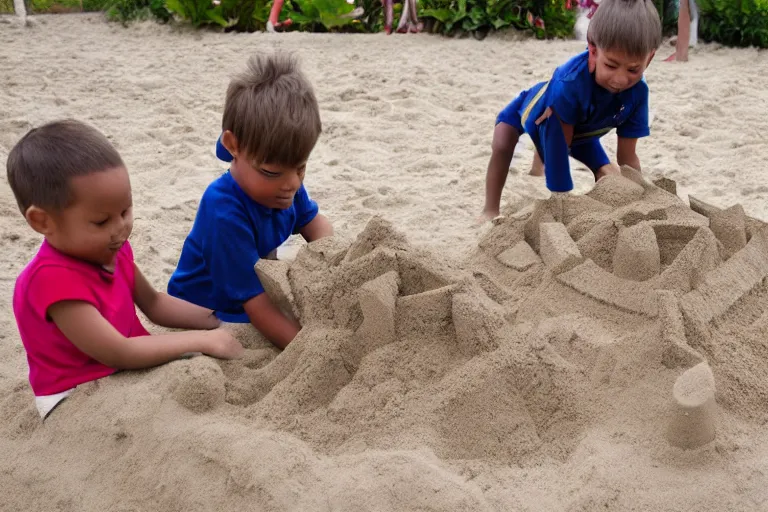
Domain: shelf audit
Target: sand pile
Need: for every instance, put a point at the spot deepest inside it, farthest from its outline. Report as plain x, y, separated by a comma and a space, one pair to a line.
620, 314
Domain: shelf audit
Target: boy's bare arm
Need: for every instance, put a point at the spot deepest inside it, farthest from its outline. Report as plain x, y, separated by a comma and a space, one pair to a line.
505, 139
319, 227
270, 321
162, 309
626, 153
90, 332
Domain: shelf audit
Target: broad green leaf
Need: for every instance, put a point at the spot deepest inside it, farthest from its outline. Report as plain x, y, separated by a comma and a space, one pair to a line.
215, 16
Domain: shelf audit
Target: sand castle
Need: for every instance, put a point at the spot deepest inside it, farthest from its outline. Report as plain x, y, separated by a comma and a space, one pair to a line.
623, 310
559, 298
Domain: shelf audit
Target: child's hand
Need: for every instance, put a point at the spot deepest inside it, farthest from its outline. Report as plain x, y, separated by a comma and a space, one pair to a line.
221, 344
546, 115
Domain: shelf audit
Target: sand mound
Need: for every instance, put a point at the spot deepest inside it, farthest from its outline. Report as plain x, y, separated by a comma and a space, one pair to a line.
566, 313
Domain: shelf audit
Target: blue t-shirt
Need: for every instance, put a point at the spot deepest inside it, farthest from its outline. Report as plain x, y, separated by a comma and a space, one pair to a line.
230, 233
592, 110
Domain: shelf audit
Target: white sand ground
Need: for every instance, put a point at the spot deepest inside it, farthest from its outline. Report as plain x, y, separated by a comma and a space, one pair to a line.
407, 129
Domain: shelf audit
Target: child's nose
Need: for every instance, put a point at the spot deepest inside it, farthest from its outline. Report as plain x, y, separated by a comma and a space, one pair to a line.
121, 228
624, 81
292, 182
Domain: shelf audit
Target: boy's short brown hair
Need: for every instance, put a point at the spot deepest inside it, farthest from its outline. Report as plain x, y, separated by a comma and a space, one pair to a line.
631, 26
272, 111
41, 165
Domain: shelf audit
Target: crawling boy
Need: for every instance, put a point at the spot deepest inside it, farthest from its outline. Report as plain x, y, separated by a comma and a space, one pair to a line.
588, 96
270, 125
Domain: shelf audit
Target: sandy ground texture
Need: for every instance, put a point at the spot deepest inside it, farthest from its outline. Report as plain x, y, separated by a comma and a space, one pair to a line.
605, 351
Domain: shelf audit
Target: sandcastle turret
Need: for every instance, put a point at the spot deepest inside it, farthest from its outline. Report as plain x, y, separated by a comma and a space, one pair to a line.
637, 254
693, 417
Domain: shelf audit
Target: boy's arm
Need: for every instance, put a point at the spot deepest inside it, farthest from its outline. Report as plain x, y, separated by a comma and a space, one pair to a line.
270, 321
309, 222
90, 332
318, 228
626, 152
556, 137
162, 309
635, 127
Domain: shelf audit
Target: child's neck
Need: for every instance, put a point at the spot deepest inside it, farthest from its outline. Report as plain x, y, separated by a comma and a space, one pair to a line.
109, 267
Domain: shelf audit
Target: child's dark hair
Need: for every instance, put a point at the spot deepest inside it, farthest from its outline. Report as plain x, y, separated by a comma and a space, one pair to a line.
272, 111
631, 26
41, 165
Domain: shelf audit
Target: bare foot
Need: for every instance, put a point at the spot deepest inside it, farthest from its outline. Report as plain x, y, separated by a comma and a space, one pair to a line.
278, 27
415, 28
537, 166
486, 216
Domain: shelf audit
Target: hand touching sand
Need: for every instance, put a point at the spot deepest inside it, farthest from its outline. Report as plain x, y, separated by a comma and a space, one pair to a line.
221, 344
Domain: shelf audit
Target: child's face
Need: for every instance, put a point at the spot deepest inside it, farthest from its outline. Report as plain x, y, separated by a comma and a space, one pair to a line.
615, 70
270, 185
99, 220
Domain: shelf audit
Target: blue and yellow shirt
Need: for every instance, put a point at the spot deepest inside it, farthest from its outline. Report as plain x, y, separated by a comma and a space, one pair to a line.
592, 110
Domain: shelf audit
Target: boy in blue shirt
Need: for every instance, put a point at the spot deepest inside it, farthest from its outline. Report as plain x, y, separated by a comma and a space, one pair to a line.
270, 125
598, 90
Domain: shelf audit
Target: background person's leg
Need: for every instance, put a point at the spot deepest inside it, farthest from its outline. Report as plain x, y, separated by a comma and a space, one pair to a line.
402, 25
274, 17
683, 33
388, 8
20, 8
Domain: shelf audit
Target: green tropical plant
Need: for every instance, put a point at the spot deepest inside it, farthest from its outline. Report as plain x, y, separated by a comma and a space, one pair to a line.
197, 12
320, 15
246, 15
668, 10
545, 18
159, 10
734, 22
372, 18
124, 11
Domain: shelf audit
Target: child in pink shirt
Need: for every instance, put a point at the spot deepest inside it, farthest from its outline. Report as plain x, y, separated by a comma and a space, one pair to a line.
75, 301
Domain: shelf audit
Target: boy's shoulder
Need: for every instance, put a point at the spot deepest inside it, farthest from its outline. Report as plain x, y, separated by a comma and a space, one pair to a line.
636, 94
575, 69
570, 89
223, 199
641, 87
221, 195
221, 186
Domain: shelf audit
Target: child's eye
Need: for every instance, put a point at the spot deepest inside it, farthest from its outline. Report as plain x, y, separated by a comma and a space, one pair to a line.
270, 174
125, 212
101, 222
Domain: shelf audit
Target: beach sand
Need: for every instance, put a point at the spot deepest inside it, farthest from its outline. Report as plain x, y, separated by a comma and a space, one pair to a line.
606, 351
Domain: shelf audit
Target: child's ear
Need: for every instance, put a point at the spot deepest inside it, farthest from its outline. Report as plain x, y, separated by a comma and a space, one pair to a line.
653, 54
39, 220
592, 59
229, 141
